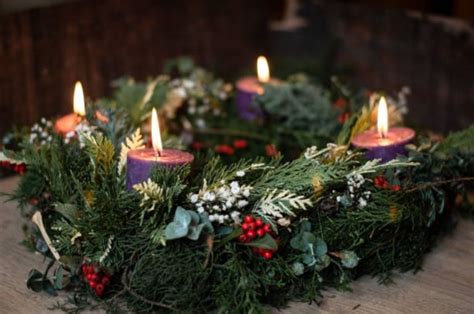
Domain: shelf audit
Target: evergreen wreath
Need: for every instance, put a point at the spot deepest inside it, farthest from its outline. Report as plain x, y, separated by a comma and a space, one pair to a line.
229, 233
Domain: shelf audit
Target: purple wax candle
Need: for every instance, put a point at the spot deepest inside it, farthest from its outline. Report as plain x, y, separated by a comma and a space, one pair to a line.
387, 147
140, 162
249, 87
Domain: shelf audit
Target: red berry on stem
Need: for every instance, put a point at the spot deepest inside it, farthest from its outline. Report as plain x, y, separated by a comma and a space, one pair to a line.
105, 281
245, 226
267, 228
94, 277
92, 284
89, 276
260, 233
248, 219
243, 238
259, 222
267, 254
99, 290
251, 234
396, 187
90, 269
251, 226
84, 269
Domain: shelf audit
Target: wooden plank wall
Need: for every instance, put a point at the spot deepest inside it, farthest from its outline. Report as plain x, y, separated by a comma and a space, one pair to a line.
44, 51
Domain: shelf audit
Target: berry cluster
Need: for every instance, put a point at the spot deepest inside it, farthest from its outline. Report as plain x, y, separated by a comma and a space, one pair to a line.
255, 228
18, 168
382, 183
97, 279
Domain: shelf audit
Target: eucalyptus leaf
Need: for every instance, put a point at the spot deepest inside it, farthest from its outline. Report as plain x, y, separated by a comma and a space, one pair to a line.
349, 259
322, 262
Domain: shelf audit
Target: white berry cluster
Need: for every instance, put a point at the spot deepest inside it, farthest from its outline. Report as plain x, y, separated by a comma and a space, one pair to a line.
354, 184
224, 203
41, 133
81, 129
356, 194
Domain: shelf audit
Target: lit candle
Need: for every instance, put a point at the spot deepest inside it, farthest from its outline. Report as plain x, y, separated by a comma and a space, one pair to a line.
248, 87
384, 143
140, 162
69, 122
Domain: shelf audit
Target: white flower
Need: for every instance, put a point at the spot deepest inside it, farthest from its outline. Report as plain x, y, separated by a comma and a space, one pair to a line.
206, 196
362, 202
240, 173
242, 203
338, 199
188, 84
43, 120
194, 198
200, 210
180, 92
234, 187
246, 192
200, 123
228, 204
212, 197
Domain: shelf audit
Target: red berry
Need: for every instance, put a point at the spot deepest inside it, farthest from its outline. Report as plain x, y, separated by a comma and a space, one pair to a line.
84, 269
92, 284
267, 228
90, 269
248, 219
94, 277
251, 234
255, 250
105, 281
267, 254
396, 187
243, 238
99, 290
260, 233
245, 226
89, 277
251, 226
259, 222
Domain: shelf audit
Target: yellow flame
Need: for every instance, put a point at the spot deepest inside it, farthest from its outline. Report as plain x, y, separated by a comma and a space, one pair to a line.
382, 117
79, 104
263, 71
155, 133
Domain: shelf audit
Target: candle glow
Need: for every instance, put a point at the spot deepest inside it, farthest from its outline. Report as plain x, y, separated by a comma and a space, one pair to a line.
263, 71
79, 104
382, 118
155, 133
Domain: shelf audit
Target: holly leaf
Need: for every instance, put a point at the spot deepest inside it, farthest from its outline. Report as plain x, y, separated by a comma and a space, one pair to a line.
69, 211
266, 242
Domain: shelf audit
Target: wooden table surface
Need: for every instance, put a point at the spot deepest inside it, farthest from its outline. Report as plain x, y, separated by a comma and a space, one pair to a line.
445, 286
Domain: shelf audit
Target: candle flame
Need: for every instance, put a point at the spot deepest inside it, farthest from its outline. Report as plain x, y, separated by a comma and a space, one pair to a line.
155, 133
79, 104
263, 71
382, 117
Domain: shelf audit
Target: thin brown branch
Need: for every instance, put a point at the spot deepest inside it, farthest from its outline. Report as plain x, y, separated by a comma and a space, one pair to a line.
141, 298
430, 184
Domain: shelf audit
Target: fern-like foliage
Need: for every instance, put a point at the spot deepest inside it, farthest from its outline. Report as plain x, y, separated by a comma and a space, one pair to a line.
135, 141
152, 194
101, 152
280, 203
462, 141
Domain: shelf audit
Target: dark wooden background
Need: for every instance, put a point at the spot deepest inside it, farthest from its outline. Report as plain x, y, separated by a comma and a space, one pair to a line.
44, 51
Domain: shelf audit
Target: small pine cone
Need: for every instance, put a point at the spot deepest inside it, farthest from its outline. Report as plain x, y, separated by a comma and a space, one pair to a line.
329, 207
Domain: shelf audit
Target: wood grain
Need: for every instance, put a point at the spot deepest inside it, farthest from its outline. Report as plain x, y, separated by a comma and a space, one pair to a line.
445, 286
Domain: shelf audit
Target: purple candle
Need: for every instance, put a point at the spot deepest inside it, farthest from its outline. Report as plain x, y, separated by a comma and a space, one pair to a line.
384, 144
140, 162
249, 87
